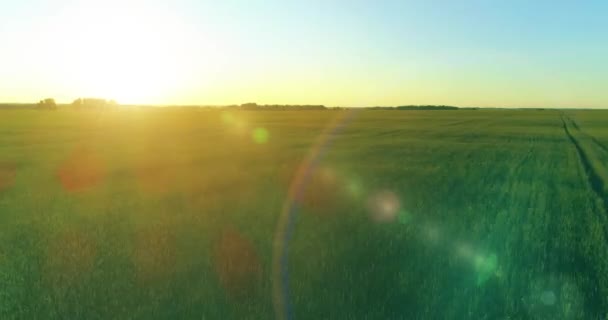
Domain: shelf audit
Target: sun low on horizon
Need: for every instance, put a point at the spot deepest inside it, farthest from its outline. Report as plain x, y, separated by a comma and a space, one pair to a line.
336, 53
132, 55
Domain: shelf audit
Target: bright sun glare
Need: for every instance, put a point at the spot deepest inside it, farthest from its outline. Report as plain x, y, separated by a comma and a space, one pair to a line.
119, 52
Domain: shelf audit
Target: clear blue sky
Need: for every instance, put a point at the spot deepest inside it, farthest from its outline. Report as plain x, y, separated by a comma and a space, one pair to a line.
467, 53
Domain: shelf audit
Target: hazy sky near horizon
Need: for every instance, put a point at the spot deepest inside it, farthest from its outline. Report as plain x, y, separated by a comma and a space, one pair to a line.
516, 53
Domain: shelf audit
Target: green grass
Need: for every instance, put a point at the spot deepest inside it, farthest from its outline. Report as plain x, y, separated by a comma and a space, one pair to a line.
156, 214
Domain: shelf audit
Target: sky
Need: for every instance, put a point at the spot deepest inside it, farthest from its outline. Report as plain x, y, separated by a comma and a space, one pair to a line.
475, 53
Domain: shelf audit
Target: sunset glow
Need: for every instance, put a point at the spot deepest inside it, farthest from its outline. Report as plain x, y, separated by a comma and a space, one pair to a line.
334, 53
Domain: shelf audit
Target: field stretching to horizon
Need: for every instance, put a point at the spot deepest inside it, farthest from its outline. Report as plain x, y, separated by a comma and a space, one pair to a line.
335, 214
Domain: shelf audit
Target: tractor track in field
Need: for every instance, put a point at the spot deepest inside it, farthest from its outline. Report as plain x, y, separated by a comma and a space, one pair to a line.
593, 178
590, 137
599, 144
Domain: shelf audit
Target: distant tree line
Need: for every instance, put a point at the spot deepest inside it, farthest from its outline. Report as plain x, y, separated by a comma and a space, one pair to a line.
93, 103
97, 103
255, 106
416, 107
50, 104
427, 107
47, 104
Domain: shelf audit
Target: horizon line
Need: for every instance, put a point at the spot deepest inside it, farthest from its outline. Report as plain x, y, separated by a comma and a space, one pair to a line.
326, 106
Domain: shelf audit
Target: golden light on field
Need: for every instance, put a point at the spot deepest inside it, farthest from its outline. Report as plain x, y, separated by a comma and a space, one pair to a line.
133, 54
7, 175
237, 264
81, 170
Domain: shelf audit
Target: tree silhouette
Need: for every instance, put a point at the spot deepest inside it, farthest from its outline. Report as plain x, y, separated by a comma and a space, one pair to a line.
47, 104
93, 103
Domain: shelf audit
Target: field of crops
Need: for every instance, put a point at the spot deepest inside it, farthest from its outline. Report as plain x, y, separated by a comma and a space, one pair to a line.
386, 214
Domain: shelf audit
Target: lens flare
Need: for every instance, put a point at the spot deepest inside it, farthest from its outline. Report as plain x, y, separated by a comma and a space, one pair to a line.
486, 267
284, 228
236, 124
260, 135
237, 264
228, 118
384, 206
548, 297
7, 175
555, 296
81, 170
354, 188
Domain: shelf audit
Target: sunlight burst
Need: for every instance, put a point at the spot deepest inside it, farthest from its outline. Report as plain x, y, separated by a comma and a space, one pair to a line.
131, 54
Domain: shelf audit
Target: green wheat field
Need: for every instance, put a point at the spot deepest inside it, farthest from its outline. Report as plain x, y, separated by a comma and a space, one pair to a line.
172, 214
